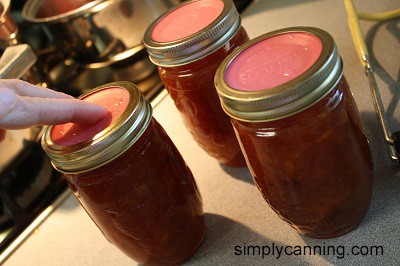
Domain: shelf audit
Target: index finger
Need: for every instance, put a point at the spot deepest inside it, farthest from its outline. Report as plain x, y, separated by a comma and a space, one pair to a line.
23, 88
38, 111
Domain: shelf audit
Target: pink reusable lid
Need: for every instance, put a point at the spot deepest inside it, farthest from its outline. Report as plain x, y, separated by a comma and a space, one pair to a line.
76, 148
273, 61
187, 20
278, 74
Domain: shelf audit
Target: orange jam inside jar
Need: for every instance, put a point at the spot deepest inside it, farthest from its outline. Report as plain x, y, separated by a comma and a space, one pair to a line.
188, 43
130, 178
299, 129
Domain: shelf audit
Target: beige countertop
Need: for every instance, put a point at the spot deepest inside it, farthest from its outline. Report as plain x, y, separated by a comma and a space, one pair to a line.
235, 212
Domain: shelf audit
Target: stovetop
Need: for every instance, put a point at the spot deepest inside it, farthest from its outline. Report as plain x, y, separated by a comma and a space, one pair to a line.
31, 191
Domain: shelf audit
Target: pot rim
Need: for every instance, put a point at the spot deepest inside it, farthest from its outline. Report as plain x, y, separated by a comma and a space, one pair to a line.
30, 9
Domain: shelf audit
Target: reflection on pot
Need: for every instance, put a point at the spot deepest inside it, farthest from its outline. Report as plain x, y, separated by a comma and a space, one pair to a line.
50, 8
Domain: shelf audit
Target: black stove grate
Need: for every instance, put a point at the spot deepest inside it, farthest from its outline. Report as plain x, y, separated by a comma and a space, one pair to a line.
17, 216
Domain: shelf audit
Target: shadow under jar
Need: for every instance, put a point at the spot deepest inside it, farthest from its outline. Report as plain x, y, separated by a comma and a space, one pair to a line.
188, 44
130, 178
300, 130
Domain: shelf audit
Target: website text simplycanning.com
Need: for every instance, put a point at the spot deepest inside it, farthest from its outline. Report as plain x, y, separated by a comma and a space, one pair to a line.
277, 251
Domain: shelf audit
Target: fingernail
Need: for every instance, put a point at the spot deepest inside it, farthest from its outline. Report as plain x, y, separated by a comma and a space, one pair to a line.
7, 97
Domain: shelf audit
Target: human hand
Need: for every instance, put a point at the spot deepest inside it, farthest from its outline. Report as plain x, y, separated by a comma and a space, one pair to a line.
23, 105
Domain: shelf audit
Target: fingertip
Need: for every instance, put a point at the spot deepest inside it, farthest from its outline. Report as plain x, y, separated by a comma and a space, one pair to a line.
91, 113
98, 111
101, 110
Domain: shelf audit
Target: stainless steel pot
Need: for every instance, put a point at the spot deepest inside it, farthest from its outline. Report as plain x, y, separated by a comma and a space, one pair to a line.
8, 28
101, 30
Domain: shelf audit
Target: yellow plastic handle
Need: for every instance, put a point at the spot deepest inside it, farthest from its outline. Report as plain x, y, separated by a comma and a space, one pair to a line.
355, 29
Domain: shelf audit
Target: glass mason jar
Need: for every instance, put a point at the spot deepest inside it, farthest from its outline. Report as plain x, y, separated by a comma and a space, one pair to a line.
130, 178
188, 43
300, 130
